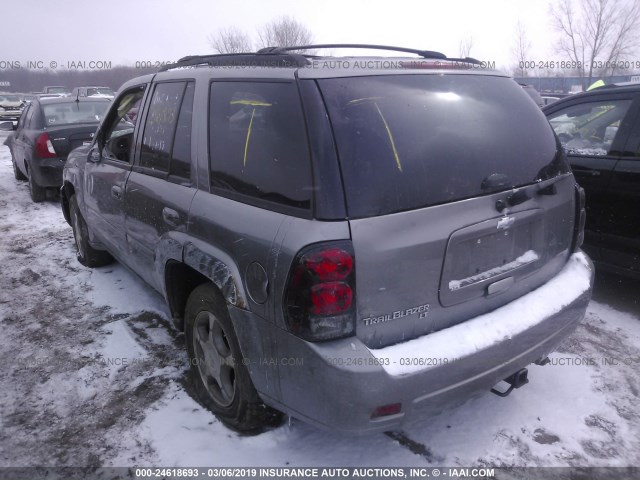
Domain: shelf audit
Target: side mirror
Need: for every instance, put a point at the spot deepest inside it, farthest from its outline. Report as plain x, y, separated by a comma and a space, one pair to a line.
8, 126
94, 155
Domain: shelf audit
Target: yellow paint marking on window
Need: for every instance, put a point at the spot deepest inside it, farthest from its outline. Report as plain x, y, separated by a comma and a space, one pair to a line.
359, 101
393, 144
246, 143
252, 103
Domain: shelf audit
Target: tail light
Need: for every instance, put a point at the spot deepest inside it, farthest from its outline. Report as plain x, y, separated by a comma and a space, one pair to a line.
44, 147
320, 293
581, 217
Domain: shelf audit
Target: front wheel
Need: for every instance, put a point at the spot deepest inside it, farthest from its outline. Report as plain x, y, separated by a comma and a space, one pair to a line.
86, 254
221, 380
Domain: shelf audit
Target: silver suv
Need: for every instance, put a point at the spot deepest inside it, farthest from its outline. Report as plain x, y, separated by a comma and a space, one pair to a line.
354, 241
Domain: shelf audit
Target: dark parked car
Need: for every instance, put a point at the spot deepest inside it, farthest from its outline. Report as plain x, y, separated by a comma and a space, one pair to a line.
47, 131
357, 243
600, 130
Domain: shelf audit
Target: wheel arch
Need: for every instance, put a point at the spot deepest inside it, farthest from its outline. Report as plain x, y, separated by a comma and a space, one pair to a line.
66, 191
179, 281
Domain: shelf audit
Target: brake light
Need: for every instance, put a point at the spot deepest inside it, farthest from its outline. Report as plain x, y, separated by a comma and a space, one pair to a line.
387, 410
331, 298
319, 299
44, 147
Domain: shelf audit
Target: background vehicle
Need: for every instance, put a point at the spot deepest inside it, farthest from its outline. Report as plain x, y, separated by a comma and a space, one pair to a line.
46, 132
600, 130
80, 92
63, 91
11, 106
318, 231
533, 93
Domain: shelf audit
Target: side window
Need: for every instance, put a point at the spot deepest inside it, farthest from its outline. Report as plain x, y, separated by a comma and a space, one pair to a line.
23, 117
160, 125
589, 128
117, 132
180, 166
30, 121
258, 145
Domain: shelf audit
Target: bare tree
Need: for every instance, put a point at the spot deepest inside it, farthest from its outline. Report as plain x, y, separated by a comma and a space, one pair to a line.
596, 34
230, 40
284, 32
464, 47
521, 51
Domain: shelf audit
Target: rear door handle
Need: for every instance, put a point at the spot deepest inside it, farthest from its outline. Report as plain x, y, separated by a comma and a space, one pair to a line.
116, 192
171, 217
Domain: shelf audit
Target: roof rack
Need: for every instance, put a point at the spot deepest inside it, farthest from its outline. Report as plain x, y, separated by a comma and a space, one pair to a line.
427, 54
265, 59
287, 56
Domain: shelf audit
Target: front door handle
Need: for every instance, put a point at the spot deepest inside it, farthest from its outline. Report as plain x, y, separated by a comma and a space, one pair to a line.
171, 217
116, 192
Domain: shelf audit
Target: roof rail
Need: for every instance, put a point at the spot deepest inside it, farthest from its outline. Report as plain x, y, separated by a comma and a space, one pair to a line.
276, 59
423, 53
286, 56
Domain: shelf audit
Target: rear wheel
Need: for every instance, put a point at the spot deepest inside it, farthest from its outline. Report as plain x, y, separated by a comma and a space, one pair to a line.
221, 380
17, 173
38, 193
86, 254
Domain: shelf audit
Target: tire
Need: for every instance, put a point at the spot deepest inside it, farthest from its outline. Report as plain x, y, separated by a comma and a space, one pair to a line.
38, 193
17, 173
220, 379
86, 254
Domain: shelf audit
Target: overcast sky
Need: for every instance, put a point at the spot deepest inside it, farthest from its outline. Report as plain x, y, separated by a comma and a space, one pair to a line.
126, 31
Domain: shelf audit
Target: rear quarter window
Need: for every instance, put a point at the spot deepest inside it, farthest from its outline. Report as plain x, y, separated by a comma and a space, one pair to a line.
412, 141
258, 144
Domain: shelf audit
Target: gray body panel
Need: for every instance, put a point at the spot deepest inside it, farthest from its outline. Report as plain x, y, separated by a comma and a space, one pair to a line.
406, 265
402, 260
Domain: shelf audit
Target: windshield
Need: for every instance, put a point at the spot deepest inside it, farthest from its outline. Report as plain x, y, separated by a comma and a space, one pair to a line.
412, 141
10, 98
74, 112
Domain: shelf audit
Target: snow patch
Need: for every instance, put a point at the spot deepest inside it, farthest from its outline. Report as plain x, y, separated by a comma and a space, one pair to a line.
527, 257
491, 328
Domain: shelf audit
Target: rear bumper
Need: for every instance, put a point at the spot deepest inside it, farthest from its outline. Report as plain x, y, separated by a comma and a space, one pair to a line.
339, 384
47, 171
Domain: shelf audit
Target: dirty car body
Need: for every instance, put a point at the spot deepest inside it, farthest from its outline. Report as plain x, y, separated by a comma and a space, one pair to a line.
372, 233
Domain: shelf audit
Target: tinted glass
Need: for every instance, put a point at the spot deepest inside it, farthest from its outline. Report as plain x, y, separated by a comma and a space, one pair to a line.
258, 145
181, 158
589, 128
73, 112
159, 128
23, 117
28, 121
411, 141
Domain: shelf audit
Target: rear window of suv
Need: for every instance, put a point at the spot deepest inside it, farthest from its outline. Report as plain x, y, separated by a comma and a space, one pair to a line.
413, 141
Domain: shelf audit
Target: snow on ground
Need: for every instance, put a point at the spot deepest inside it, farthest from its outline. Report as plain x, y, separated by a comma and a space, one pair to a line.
93, 374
